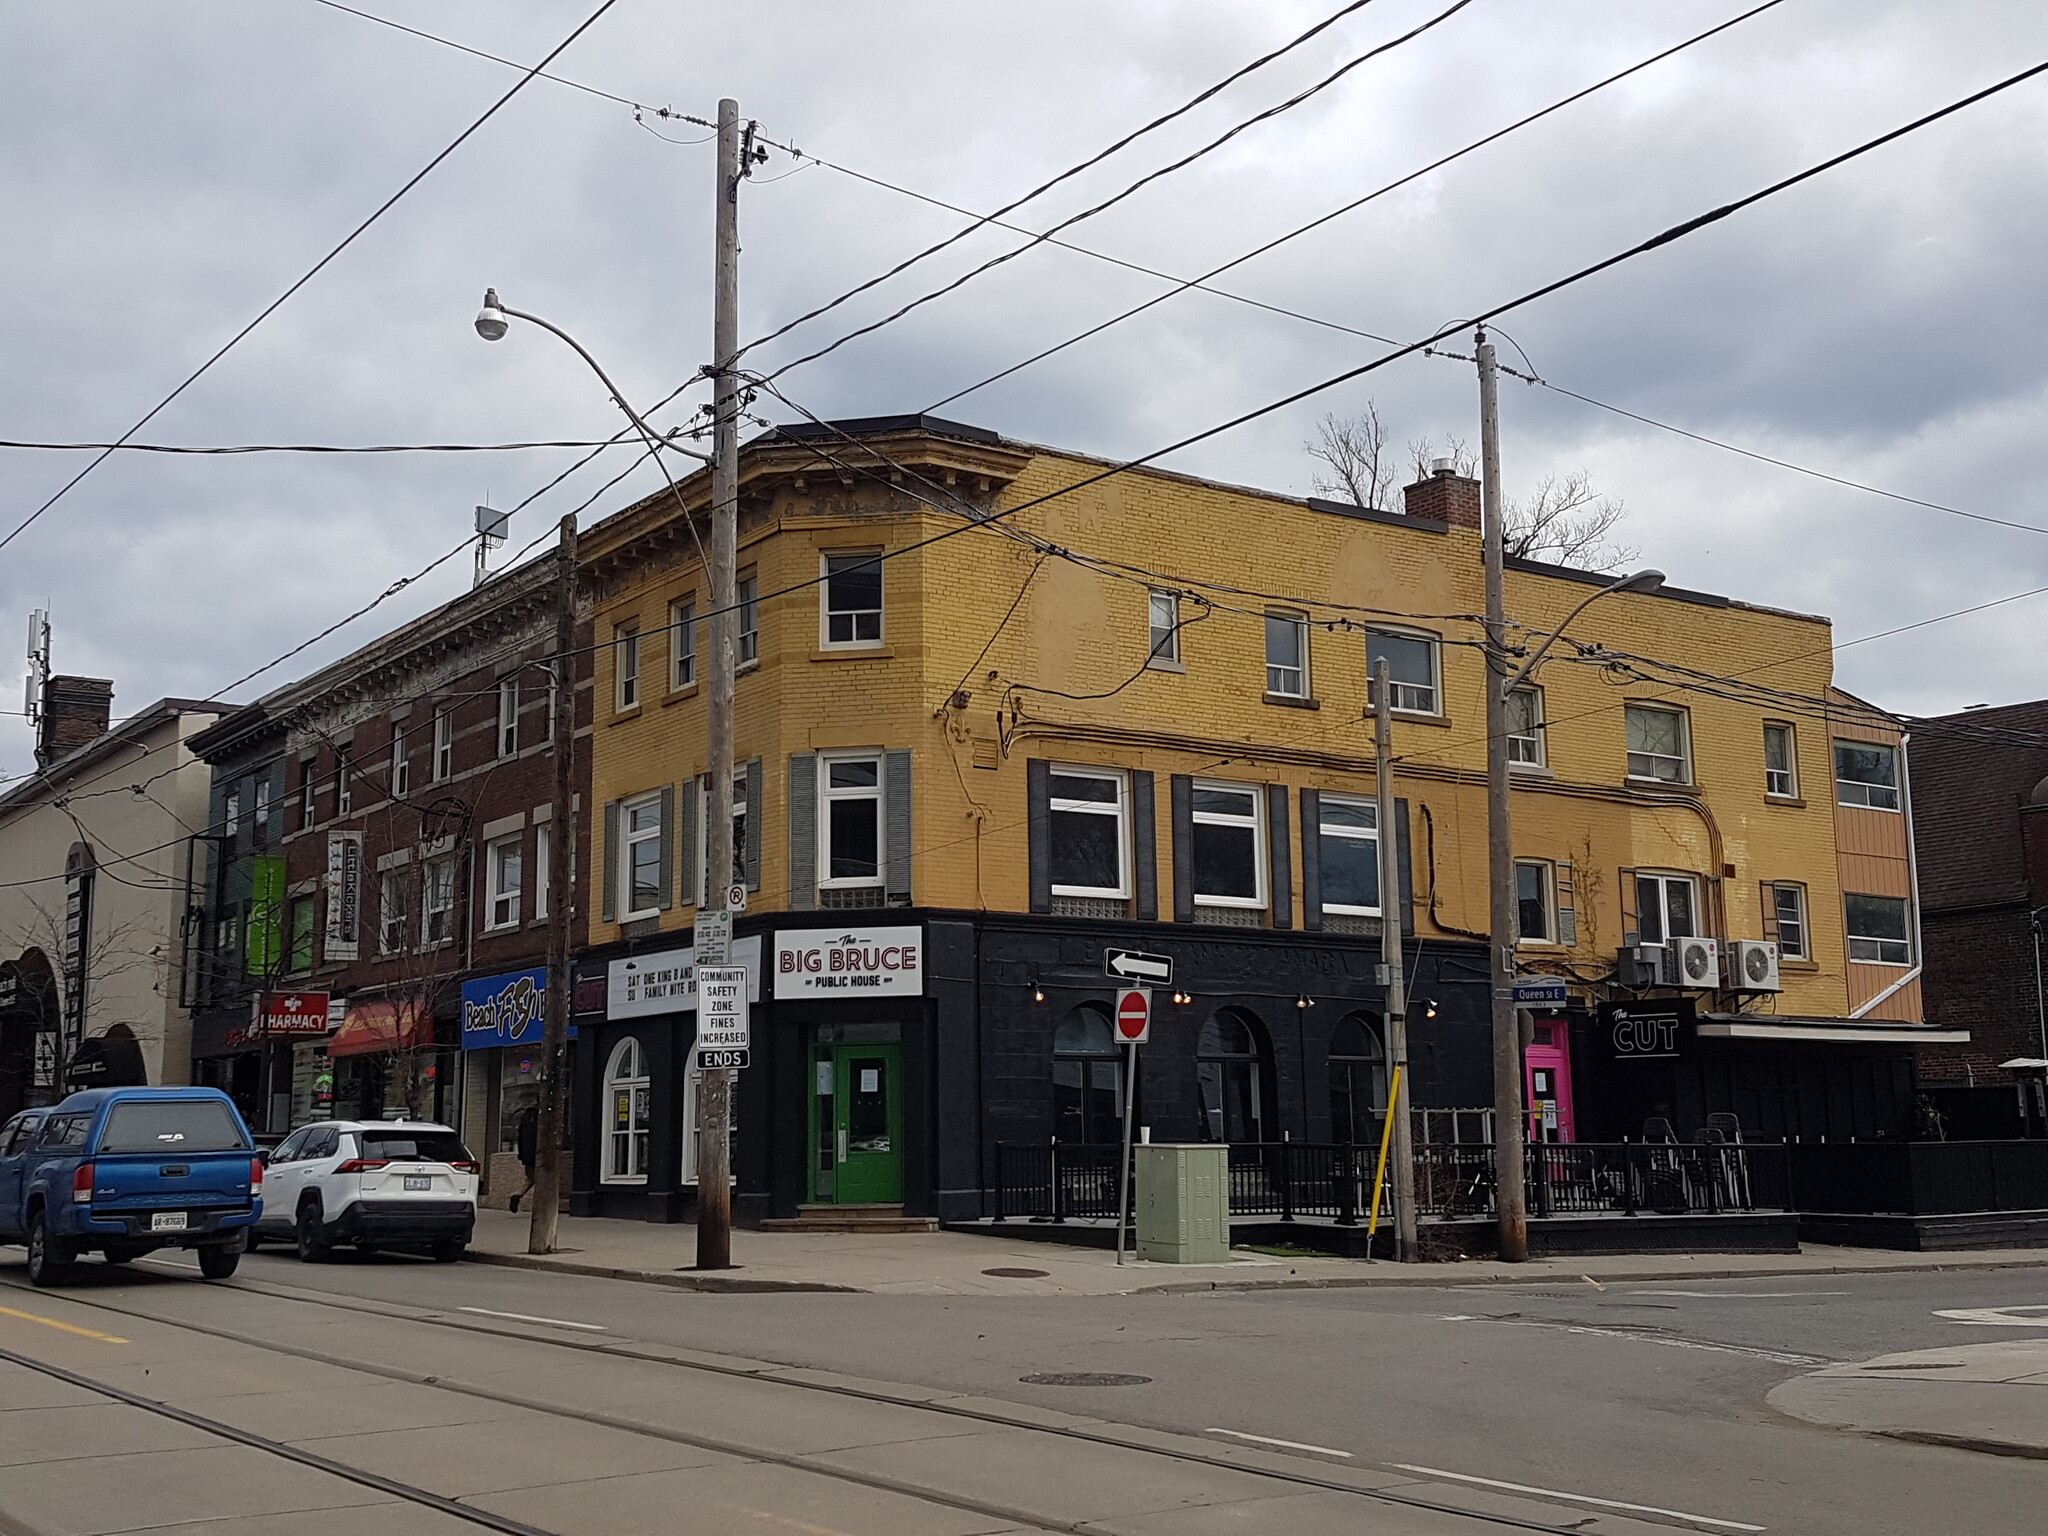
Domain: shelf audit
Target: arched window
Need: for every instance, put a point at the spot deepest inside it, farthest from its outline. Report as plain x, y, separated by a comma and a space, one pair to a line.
1232, 1075
1087, 1078
1358, 1080
625, 1097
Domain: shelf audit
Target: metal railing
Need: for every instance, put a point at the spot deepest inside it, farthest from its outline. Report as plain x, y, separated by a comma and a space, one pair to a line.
1055, 1180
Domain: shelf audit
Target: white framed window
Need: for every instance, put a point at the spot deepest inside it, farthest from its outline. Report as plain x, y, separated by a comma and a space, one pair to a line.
1667, 907
710, 897
1348, 854
1535, 902
850, 599
627, 1090
1287, 655
543, 851
231, 814
444, 744
1229, 841
626, 664
640, 866
1413, 669
437, 903
401, 765
850, 820
1525, 728
1867, 774
682, 644
394, 899
344, 784
505, 873
1877, 930
1781, 761
1788, 905
1659, 744
1090, 833
1163, 625
508, 716
547, 729
262, 809
309, 779
747, 647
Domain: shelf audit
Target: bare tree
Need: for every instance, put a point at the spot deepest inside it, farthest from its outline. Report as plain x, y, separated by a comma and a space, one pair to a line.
1423, 453
1360, 468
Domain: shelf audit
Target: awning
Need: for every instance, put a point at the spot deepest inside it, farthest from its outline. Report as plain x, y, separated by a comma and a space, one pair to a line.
1778, 1026
383, 1026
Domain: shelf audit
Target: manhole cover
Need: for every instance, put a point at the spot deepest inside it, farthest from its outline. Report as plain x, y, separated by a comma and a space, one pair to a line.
1018, 1274
1083, 1379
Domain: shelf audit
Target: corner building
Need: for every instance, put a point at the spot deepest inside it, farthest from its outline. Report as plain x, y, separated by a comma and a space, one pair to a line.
993, 723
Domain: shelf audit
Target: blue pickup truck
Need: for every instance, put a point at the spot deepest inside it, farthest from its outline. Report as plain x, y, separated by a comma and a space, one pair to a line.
123, 1171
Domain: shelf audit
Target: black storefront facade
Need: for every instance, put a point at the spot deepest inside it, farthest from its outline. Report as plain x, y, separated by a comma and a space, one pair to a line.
894, 1050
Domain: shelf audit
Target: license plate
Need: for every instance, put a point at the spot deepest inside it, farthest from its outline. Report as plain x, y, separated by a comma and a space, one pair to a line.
419, 1181
167, 1221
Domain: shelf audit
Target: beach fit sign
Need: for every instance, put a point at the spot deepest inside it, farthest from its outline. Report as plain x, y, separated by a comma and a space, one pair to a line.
856, 962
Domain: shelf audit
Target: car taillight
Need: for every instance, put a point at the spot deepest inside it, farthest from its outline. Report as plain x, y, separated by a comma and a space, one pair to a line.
81, 1185
255, 1175
464, 1167
363, 1164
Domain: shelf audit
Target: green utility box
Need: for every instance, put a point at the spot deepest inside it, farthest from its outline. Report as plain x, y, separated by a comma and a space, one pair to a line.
1184, 1204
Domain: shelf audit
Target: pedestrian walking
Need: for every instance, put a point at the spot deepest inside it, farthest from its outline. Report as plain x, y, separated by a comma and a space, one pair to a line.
526, 1139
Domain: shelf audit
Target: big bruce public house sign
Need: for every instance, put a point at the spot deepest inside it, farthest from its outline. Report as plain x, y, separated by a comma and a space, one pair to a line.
855, 962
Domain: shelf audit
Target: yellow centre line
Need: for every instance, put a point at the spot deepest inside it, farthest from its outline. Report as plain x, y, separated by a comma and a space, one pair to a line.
51, 1322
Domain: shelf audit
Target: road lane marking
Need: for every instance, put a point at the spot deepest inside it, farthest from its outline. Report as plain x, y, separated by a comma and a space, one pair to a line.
1292, 1445
525, 1317
1579, 1498
1739, 1295
1997, 1317
51, 1322
1669, 1341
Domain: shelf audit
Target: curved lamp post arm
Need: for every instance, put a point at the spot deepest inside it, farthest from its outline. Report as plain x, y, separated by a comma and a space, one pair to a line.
1639, 581
490, 324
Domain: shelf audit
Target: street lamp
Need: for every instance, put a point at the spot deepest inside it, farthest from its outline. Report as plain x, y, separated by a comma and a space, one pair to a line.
1646, 580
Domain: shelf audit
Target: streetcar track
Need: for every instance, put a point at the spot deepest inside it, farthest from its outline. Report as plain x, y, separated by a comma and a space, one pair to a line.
797, 1461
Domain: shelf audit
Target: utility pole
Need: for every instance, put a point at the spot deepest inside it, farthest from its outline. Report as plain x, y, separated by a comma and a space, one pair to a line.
1510, 1197
714, 1105
562, 853
1390, 954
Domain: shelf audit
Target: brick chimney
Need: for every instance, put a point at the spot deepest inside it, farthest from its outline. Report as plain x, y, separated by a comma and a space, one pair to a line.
1446, 496
75, 711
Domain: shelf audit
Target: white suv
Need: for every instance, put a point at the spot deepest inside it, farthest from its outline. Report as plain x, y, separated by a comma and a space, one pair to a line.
373, 1183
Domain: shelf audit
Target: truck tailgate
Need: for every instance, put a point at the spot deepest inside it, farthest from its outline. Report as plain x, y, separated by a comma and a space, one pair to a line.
139, 1182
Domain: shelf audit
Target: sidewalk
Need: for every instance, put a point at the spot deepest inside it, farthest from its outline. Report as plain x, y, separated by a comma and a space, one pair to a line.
966, 1264
1979, 1397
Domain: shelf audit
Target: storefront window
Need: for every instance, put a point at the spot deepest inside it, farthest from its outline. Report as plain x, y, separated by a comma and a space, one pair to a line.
1358, 1081
626, 1114
1087, 1080
1229, 1076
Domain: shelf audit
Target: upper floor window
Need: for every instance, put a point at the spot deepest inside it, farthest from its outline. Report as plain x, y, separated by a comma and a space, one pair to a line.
1659, 744
1534, 907
641, 831
1788, 910
344, 784
543, 850
309, 778
1163, 611
1667, 908
1867, 774
444, 743
1090, 846
437, 884
508, 716
401, 765
626, 662
261, 828
852, 596
1348, 854
300, 958
682, 644
1781, 761
850, 825
231, 814
1229, 845
1877, 930
713, 896
747, 647
1525, 728
505, 870
1287, 655
393, 897
1412, 666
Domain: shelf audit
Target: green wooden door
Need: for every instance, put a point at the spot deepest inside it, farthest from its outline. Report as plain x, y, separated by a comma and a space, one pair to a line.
867, 1114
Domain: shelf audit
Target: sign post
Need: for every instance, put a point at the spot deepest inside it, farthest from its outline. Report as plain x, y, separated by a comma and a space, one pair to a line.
1133, 1028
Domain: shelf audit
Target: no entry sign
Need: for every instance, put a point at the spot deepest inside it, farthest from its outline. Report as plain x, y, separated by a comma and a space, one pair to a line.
1134, 1015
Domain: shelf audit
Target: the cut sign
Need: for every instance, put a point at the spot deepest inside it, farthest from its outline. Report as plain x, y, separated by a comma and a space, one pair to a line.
1134, 1015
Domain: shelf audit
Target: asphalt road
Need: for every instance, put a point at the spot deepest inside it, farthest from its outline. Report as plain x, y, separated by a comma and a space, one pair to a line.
1648, 1397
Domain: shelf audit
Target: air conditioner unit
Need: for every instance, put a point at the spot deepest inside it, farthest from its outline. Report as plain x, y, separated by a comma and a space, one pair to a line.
1699, 963
1646, 965
1753, 967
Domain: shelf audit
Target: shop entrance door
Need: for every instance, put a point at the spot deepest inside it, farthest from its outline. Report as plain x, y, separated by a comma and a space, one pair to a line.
860, 1145
1549, 1085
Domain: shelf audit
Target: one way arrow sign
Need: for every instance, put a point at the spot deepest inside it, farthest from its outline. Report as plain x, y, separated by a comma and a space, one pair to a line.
1135, 965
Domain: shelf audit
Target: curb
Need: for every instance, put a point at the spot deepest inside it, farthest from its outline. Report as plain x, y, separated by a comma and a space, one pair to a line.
1977, 1443
681, 1280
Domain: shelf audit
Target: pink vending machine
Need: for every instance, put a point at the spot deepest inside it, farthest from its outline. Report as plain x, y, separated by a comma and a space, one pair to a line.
1548, 1062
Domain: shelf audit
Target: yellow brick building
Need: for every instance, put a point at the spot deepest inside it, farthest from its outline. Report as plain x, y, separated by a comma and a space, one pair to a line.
1028, 712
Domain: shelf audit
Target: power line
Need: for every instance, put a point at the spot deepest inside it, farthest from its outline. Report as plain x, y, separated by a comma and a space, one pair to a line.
347, 240
1110, 202
124, 446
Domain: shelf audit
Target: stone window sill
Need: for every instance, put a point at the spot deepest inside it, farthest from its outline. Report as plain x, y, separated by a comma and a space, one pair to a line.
1290, 701
855, 653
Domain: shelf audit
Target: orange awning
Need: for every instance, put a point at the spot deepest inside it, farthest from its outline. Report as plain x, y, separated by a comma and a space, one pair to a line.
382, 1026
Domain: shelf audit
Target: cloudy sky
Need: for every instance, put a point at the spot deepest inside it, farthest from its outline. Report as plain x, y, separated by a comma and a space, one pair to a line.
172, 167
